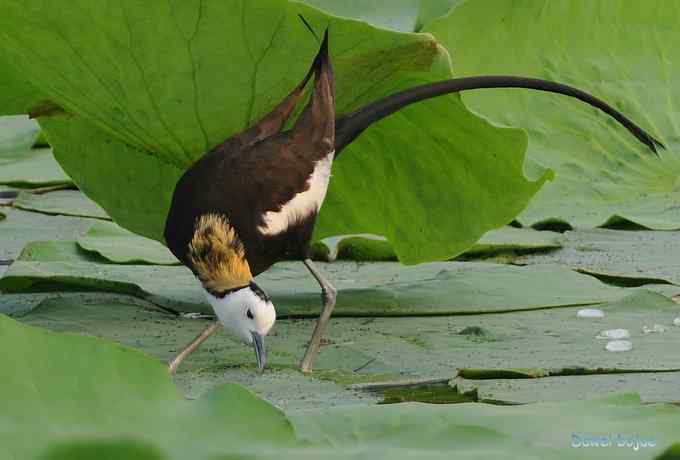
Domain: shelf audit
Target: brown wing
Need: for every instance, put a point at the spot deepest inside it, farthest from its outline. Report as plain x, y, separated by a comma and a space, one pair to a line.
239, 184
249, 175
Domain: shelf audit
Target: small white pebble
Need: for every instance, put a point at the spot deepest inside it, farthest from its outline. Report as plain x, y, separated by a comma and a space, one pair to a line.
652, 329
619, 345
676, 321
614, 334
589, 313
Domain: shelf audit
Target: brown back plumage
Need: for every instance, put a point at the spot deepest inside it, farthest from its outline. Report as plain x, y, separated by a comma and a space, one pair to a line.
217, 254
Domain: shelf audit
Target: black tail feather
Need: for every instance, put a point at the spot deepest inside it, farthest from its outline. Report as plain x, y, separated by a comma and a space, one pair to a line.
316, 123
304, 21
273, 122
349, 127
321, 57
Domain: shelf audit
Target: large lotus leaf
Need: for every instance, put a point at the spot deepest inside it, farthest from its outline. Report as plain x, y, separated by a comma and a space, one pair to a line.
587, 369
150, 87
116, 402
222, 358
472, 430
121, 246
17, 96
435, 431
137, 196
623, 52
120, 393
542, 339
632, 257
378, 289
392, 349
61, 203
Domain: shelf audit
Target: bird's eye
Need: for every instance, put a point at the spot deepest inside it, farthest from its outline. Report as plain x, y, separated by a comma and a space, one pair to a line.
249, 314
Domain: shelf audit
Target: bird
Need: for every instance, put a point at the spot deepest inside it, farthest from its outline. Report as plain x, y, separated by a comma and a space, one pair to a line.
252, 200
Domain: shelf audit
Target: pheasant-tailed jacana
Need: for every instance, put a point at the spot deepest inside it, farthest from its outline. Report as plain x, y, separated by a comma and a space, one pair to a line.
252, 201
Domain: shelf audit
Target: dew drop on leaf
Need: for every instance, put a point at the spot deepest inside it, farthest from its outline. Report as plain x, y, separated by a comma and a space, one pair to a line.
590, 313
652, 329
614, 334
619, 345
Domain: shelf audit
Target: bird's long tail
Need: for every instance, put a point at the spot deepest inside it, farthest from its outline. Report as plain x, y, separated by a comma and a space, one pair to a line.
350, 126
273, 122
316, 123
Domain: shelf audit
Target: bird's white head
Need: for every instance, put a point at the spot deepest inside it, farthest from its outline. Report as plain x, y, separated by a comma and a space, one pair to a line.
248, 314
218, 258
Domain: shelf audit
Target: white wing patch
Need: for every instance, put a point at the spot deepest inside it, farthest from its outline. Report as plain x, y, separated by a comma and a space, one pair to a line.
304, 203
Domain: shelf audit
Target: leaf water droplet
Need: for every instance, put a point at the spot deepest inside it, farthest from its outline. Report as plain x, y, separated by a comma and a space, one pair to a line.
619, 345
589, 313
652, 329
614, 334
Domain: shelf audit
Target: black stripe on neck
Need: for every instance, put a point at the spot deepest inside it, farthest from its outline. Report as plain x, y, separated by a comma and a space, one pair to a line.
257, 290
221, 294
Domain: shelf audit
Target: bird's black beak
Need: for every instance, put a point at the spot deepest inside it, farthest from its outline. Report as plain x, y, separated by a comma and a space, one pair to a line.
260, 351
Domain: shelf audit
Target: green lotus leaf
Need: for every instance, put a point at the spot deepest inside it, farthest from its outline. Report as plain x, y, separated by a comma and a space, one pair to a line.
116, 402
120, 393
17, 133
17, 95
31, 168
375, 248
398, 15
60, 202
625, 257
377, 289
148, 88
360, 350
20, 165
21, 227
622, 52
120, 246
400, 428
672, 453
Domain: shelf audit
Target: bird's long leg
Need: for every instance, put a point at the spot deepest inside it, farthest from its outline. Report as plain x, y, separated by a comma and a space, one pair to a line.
328, 294
198, 340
